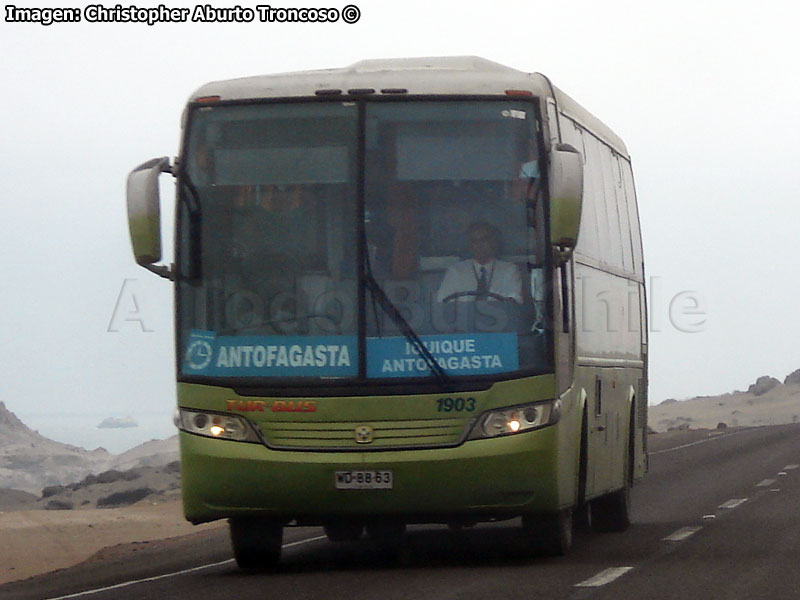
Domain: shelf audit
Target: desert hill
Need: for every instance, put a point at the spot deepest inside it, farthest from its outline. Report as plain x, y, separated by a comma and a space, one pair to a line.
766, 402
30, 461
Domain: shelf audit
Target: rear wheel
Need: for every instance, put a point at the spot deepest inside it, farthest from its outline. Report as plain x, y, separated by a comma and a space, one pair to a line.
256, 542
549, 533
343, 531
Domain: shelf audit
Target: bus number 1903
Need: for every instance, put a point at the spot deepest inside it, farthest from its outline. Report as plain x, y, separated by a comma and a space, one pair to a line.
456, 404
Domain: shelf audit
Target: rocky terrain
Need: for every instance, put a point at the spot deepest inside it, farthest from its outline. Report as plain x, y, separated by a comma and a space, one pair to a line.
766, 402
114, 489
75, 502
31, 462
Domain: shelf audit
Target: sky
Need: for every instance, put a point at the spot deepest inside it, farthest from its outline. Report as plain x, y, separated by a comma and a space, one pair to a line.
705, 95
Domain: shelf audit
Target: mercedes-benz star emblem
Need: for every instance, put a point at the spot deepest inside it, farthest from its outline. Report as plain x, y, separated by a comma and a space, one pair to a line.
364, 434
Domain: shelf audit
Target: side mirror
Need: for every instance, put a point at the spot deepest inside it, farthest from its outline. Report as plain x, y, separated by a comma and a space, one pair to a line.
566, 198
144, 214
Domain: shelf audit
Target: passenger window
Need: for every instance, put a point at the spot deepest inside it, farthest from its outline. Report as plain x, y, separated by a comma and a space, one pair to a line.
594, 192
588, 238
624, 217
615, 242
633, 214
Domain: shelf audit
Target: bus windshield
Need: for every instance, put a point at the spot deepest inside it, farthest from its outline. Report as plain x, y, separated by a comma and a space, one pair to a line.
306, 227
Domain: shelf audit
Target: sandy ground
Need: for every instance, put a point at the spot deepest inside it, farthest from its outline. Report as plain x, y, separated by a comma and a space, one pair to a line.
738, 409
38, 541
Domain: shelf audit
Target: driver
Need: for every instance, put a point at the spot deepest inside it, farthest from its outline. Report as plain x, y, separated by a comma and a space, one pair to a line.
483, 276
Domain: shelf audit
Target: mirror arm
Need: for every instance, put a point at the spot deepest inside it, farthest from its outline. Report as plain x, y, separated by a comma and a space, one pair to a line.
167, 272
561, 255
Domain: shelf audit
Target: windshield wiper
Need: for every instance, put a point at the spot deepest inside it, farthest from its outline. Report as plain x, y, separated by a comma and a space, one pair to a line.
390, 309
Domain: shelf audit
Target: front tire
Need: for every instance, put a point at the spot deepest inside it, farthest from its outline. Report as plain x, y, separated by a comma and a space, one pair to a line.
256, 542
549, 533
612, 512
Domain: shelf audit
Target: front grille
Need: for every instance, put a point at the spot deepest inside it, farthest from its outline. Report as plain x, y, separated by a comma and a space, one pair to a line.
386, 435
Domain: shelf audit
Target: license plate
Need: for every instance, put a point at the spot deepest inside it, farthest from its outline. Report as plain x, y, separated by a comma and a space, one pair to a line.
363, 480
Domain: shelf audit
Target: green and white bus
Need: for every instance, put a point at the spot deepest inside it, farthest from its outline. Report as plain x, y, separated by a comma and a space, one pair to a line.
323, 379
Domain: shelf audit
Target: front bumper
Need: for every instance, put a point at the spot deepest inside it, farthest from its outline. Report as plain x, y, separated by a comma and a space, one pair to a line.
482, 479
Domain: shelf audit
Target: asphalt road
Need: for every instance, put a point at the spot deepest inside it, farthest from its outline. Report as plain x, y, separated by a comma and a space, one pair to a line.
716, 517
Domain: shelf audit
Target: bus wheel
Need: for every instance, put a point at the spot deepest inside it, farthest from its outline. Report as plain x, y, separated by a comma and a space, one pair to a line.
343, 531
549, 533
256, 542
612, 512
581, 519
387, 536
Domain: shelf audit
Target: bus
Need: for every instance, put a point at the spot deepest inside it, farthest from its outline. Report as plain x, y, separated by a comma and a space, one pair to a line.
325, 378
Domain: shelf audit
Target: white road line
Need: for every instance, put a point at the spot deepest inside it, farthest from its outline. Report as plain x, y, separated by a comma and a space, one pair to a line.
604, 577
683, 446
766, 483
299, 542
733, 503
708, 439
791, 467
682, 534
168, 575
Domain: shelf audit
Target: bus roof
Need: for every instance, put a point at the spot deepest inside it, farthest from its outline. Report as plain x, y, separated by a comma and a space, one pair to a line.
456, 75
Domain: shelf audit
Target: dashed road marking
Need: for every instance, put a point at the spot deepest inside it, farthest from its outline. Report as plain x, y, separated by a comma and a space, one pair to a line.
604, 577
733, 503
682, 534
791, 467
766, 483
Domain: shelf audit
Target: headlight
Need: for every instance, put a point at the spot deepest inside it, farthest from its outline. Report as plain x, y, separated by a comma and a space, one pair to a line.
225, 427
516, 419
